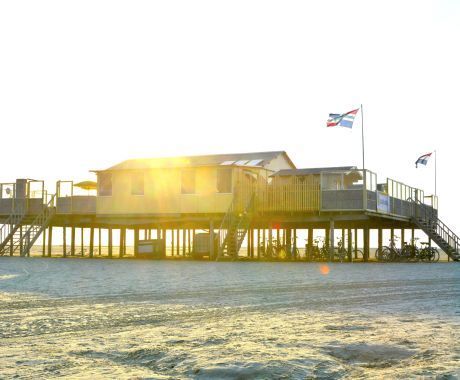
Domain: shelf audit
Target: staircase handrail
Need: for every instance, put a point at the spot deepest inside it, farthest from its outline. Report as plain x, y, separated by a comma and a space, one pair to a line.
225, 224
13, 219
39, 220
446, 233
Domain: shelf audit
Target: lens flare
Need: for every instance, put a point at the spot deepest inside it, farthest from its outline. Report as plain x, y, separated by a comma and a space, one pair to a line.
324, 269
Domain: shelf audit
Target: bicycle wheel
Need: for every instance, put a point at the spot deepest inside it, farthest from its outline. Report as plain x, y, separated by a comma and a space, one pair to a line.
435, 255
379, 254
281, 253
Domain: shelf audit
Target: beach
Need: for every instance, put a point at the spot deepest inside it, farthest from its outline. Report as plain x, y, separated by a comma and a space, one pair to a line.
235, 320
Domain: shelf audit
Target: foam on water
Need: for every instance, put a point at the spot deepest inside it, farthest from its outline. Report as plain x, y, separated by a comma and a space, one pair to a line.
143, 319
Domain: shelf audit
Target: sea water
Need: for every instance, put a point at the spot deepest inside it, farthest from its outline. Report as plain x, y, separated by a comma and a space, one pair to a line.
81, 318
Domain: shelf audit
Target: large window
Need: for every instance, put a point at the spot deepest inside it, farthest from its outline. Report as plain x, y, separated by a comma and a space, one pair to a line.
188, 181
104, 181
224, 180
137, 183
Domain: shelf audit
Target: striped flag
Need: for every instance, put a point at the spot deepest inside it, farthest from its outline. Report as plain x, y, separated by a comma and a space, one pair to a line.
423, 159
342, 120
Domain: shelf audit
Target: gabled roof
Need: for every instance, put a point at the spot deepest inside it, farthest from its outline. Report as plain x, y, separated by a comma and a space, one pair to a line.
257, 158
309, 171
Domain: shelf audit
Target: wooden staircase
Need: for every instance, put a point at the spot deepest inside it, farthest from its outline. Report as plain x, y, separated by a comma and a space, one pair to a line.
22, 241
10, 230
427, 220
233, 229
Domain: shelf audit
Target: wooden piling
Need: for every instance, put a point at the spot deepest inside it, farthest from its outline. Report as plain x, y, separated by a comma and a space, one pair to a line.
366, 243
64, 242
91, 242
211, 240
349, 245
72, 241
99, 241
50, 240
136, 241
44, 242
110, 242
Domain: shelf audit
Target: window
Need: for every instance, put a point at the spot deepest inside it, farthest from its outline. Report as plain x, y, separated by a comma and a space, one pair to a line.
224, 180
104, 181
137, 184
188, 181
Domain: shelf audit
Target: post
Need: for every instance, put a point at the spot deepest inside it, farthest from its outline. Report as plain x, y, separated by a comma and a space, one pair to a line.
178, 242
136, 240
294, 243
356, 243
435, 174
20, 241
258, 243
184, 242
402, 237
44, 243
366, 244
64, 242
331, 239
72, 241
362, 135
310, 244
211, 240
110, 243
270, 239
327, 240
287, 238
349, 247
91, 242
172, 241
100, 241
380, 239
120, 253
50, 240
82, 241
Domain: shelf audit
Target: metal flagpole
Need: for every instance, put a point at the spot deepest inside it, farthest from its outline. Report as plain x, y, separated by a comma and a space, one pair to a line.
435, 173
362, 132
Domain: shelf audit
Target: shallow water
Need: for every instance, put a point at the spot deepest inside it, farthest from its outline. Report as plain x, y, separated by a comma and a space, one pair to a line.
164, 319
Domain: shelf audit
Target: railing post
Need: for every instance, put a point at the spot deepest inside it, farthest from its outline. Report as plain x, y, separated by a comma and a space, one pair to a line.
364, 189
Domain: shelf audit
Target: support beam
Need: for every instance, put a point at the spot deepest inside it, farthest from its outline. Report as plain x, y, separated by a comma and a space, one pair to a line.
349, 245
211, 240
64, 242
310, 244
122, 243
331, 240
110, 242
366, 244
72, 241
91, 242
136, 241
356, 243
184, 242
44, 243
50, 240
100, 241
288, 239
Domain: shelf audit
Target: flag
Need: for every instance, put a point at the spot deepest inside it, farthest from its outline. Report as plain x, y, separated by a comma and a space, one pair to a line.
422, 159
342, 120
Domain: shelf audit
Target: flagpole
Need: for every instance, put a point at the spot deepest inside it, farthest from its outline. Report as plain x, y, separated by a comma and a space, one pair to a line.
435, 173
362, 133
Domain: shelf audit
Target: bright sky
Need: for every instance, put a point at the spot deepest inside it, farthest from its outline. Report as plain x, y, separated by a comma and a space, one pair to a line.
86, 84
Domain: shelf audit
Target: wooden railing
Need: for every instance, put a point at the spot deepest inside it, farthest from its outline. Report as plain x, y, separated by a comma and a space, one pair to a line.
291, 194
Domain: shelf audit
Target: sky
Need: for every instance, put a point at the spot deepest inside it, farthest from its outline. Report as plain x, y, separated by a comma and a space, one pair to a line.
87, 84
